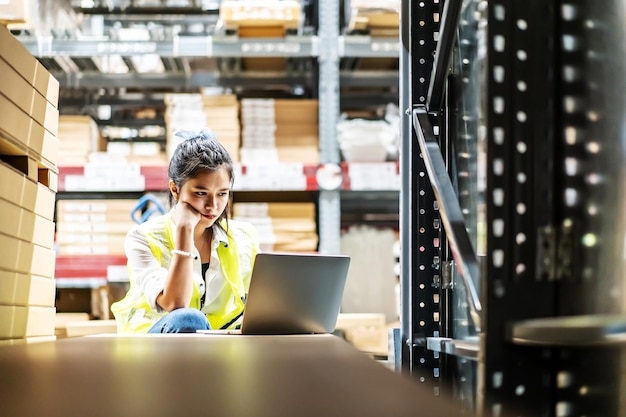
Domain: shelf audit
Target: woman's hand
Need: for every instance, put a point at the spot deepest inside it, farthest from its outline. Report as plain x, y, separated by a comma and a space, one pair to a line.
185, 216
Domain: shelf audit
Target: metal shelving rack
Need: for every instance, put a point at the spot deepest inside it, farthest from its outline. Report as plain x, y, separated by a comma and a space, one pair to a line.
73, 60
531, 318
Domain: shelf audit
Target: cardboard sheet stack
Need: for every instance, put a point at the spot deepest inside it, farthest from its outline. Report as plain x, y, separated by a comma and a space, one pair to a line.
28, 156
41, 16
93, 226
261, 19
282, 227
381, 18
78, 137
195, 111
279, 130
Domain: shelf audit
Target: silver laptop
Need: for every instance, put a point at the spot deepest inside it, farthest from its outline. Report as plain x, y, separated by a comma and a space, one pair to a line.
292, 293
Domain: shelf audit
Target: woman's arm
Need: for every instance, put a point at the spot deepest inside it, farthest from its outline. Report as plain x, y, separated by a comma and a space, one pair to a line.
179, 282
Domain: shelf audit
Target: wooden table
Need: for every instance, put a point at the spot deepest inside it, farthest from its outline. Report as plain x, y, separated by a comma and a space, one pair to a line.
208, 375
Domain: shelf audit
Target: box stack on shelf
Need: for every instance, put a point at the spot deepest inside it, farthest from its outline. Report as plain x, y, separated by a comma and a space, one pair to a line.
195, 111
37, 15
282, 227
28, 154
78, 137
379, 18
279, 130
93, 226
255, 19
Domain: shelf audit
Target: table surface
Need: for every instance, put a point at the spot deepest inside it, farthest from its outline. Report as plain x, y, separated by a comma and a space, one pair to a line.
216, 375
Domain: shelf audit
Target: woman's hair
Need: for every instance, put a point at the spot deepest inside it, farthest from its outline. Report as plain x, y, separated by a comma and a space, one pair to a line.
199, 151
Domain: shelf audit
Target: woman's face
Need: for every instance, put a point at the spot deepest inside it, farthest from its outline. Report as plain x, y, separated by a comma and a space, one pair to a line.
208, 194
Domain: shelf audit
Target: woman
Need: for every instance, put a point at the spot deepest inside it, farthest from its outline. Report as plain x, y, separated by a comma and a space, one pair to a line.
190, 269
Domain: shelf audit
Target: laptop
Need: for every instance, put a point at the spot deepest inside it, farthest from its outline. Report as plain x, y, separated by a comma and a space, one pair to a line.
293, 293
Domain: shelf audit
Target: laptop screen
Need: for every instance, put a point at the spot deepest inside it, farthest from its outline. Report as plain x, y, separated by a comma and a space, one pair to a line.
293, 293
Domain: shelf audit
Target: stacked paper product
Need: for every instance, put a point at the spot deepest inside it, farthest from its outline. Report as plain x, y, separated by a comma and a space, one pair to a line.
269, 175
40, 16
279, 130
371, 283
238, 14
260, 20
220, 113
93, 226
78, 137
381, 18
362, 140
138, 145
107, 172
28, 185
373, 176
282, 227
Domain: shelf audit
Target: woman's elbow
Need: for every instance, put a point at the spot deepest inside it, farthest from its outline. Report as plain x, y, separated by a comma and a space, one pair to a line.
169, 303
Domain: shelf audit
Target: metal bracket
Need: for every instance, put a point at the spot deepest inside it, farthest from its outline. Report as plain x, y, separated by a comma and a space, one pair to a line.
464, 348
447, 275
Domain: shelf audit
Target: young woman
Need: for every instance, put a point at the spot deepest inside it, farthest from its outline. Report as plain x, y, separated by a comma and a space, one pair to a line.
190, 269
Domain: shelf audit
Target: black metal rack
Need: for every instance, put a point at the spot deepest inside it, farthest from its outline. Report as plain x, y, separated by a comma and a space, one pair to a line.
513, 132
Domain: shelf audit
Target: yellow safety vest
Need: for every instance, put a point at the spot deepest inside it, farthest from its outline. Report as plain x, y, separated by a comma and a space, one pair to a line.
134, 313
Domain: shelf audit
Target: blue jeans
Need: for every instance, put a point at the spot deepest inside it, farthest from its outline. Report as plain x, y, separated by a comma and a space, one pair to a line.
182, 320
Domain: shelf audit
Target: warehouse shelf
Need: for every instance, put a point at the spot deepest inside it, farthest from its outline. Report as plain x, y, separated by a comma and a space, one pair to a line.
368, 47
209, 46
318, 63
198, 79
355, 176
178, 46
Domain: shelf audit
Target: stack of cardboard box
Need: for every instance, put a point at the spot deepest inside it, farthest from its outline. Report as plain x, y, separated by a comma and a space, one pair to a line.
220, 113
93, 226
282, 227
78, 138
41, 16
261, 19
380, 18
28, 154
279, 130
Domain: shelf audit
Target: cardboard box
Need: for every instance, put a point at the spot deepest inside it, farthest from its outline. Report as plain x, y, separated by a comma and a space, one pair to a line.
20, 321
12, 184
108, 227
49, 178
61, 320
16, 188
44, 143
17, 222
26, 290
37, 230
39, 199
268, 13
16, 11
26, 257
25, 64
15, 124
91, 327
20, 92
96, 206
366, 331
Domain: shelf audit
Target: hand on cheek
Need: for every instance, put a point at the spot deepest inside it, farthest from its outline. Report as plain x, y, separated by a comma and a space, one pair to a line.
185, 215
